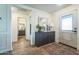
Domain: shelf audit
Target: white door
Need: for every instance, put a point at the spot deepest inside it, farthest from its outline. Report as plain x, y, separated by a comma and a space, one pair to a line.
3, 27
68, 29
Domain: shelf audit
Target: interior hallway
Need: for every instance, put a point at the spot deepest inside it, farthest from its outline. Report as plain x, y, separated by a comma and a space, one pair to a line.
22, 47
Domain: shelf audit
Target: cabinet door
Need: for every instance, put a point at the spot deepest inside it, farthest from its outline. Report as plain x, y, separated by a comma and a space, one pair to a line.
45, 38
51, 37
41, 38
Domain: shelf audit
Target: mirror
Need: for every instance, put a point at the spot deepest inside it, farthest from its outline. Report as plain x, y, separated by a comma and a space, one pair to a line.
43, 24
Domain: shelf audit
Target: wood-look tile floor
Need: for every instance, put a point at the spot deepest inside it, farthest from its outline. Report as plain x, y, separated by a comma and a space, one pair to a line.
22, 47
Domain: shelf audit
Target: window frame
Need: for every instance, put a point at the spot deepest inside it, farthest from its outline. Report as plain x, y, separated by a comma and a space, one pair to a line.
64, 17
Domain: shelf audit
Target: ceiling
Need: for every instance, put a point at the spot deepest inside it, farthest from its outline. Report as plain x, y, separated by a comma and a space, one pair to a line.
48, 7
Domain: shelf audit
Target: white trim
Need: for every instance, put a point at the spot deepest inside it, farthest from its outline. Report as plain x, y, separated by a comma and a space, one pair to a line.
5, 50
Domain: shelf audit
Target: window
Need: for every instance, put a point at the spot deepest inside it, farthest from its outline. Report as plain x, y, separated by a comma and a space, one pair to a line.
67, 22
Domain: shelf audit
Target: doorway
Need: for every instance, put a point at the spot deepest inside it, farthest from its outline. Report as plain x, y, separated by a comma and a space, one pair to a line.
68, 29
20, 27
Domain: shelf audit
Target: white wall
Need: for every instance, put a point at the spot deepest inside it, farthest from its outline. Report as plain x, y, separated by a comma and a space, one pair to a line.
56, 17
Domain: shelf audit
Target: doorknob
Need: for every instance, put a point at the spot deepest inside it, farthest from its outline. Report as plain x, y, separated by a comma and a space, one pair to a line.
75, 30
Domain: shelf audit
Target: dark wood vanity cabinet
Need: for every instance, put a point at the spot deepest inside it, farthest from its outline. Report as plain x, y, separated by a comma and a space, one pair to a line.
42, 38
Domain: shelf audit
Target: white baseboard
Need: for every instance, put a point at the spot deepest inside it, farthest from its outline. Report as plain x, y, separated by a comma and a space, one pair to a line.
5, 50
